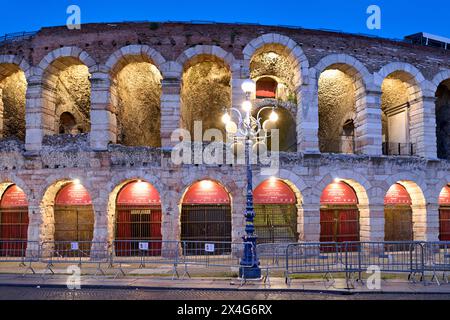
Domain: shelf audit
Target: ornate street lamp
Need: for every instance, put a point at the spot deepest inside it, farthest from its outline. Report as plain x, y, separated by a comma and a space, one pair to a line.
249, 129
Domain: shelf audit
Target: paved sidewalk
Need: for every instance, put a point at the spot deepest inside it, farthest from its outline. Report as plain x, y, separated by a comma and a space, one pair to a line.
337, 286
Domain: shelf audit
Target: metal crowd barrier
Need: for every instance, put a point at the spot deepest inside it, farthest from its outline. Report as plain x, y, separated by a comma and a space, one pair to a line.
437, 259
145, 253
79, 253
207, 254
20, 251
272, 257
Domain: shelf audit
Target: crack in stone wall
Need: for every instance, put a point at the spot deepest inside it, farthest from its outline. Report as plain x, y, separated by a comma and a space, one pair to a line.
139, 111
206, 91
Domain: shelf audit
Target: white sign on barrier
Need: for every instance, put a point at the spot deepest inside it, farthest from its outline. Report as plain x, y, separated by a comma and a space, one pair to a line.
143, 246
74, 246
209, 247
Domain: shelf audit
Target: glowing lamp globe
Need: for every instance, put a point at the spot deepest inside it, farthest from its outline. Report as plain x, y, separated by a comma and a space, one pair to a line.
249, 86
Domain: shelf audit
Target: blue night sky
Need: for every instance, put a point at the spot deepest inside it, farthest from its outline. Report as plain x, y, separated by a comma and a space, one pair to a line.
399, 17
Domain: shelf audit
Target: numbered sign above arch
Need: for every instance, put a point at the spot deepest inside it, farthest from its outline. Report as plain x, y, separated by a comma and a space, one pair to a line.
274, 192
73, 194
206, 192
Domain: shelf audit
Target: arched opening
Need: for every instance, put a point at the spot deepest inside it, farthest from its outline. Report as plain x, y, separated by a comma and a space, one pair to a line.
67, 124
13, 222
444, 214
273, 70
266, 88
443, 119
67, 90
398, 214
74, 219
137, 89
339, 213
138, 219
13, 88
338, 85
205, 92
206, 215
276, 218
399, 91
286, 126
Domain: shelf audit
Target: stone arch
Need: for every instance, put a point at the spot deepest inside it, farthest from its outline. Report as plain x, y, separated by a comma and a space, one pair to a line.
362, 188
293, 51
422, 214
113, 188
14, 71
48, 192
337, 71
206, 87
439, 78
6, 180
195, 54
405, 98
136, 91
57, 96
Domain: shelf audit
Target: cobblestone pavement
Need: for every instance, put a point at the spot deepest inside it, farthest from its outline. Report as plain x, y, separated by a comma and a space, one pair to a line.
32, 293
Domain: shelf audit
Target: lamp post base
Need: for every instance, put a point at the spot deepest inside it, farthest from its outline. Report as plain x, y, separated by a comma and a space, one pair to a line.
250, 273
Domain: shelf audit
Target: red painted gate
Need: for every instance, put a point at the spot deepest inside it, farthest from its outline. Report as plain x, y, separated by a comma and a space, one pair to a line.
444, 214
13, 222
138, 219
339, 214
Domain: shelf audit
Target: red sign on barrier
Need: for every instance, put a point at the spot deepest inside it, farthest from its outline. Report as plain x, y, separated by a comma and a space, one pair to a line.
73, 194
274, 192
444, 198
138, 193
398, 195
206, 192
14, 197
339, 193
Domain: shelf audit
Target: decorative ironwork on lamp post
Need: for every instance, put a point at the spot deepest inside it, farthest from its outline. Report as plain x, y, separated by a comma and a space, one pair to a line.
249, 129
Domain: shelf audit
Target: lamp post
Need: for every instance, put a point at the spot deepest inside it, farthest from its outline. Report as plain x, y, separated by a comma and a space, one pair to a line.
249, 130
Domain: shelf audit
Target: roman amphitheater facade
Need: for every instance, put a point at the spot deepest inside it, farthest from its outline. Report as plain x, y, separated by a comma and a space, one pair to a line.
99, 105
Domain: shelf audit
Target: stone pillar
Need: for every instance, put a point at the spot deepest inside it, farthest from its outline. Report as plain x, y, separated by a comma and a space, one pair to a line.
426, 222
368, 139
423, 127
309, 223
103, 119
170, 110
35, 129
371, 222
308, 119
1, 113
35, 236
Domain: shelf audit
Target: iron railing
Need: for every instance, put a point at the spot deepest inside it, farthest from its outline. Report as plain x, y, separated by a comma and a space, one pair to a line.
399, 149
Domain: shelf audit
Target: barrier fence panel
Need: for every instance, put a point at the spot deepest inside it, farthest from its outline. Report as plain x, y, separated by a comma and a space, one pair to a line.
145, 253
437, 259
305, 258
20, 251
213, 254
272, 257
79, 253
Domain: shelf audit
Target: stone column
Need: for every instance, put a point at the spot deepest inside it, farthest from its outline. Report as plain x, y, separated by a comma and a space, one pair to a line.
368, 139
309, 223
103, 119
426, 222
308, 119
423, 127
35, 129
35, 236
170, 110
371, 222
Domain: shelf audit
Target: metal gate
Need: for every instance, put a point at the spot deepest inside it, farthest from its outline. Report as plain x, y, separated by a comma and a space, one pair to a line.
74, 224
398, 223
13, 230
444, 224
136, 224
206, 223
276, 223
339, 224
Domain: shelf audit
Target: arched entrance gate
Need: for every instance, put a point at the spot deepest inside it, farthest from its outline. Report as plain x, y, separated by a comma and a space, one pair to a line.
138, 219
13, 222
398, 214
444, 214
206, 215
339, 214
74, 219
275, 212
